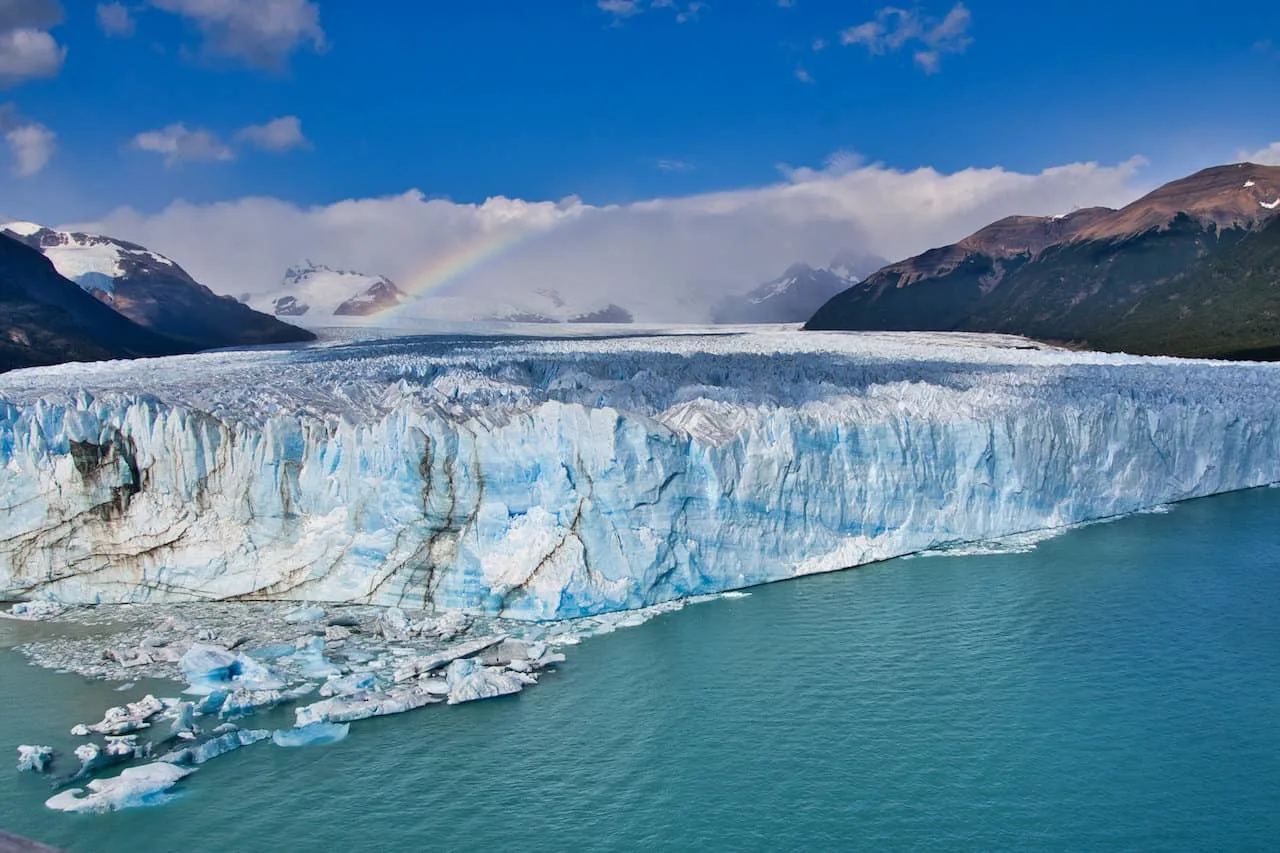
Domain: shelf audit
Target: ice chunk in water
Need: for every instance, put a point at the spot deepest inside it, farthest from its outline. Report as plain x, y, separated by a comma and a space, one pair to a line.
34, 758
135, 786
314, 734
208, 669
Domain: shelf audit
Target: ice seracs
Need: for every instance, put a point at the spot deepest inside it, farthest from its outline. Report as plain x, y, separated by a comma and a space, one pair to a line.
549, 479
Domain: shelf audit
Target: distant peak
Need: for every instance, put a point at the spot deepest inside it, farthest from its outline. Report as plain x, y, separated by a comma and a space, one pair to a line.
23, 229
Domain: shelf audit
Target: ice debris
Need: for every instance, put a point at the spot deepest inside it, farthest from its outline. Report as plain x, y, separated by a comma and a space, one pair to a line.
310, 660
231, 738
34, 758
305, 614
209, 668
35, 610
135, 786
123, 719
312, 734
469, 681
365, 704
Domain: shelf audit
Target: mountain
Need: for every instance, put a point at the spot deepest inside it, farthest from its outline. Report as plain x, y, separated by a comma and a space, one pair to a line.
795, 295
318, 292
47, 319
152, 290
1189, 269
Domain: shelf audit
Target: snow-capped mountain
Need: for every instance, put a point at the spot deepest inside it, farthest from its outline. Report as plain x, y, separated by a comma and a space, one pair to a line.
46, 319
318, 292
152, 290
793, 296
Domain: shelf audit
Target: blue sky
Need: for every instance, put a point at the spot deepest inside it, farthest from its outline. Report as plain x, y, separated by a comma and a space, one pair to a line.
815, 117
543, 100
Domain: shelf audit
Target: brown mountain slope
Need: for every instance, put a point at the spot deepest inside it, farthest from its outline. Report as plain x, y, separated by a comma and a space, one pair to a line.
1092, 277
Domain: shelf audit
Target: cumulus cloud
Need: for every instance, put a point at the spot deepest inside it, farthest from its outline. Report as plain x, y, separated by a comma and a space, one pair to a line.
803, 75
261, 33
674, 166
179, 144
31, 143
281, 134
665, 259
27, 50
893, 29
1269, 156
115, 20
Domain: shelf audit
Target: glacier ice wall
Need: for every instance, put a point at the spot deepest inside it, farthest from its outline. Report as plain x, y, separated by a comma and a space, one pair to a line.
555, 478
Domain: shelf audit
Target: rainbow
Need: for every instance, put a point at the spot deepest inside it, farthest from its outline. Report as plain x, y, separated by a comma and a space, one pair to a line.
448, 269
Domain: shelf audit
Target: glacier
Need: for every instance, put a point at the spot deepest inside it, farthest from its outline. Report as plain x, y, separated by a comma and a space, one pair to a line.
550, 478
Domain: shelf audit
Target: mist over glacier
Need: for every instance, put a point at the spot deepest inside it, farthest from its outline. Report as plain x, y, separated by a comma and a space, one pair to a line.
552, 478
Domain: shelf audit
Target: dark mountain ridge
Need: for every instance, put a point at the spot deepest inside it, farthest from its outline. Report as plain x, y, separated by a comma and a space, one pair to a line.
154, 291
47, 319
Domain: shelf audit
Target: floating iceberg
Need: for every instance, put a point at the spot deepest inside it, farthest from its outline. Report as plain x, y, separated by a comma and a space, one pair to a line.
123, 719
209, 669
34, 759
213, 747
310, 660
313, 734
135, 786
562, 478
365, 704
469, 681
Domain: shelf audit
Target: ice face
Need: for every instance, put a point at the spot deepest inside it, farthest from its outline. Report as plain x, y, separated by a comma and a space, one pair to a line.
544, 479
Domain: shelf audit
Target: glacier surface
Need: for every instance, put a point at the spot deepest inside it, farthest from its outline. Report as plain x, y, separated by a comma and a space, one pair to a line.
538, 478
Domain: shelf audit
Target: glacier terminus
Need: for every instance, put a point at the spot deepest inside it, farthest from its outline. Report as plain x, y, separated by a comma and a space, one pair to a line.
550, 478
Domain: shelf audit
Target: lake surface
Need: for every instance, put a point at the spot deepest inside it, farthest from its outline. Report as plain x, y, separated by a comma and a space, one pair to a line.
1118, 687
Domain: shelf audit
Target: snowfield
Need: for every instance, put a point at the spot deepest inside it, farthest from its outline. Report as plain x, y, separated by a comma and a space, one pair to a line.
537, 478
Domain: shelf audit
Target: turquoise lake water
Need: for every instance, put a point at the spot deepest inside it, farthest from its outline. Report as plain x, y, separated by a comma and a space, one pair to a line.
1116, 688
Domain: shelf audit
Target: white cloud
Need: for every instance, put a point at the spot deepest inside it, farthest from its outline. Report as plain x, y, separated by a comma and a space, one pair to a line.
32, 146
262, 33
31, 143
281, 134
623, 9
178, 144
620, 8
690, 12
1269, 156
892, 29
115, 20
803, 76
674, 166
27, 50
664, 259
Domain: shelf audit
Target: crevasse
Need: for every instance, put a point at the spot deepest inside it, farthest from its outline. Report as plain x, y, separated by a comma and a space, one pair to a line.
551, 479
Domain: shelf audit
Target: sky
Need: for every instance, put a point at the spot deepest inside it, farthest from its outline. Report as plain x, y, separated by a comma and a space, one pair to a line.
606, 147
